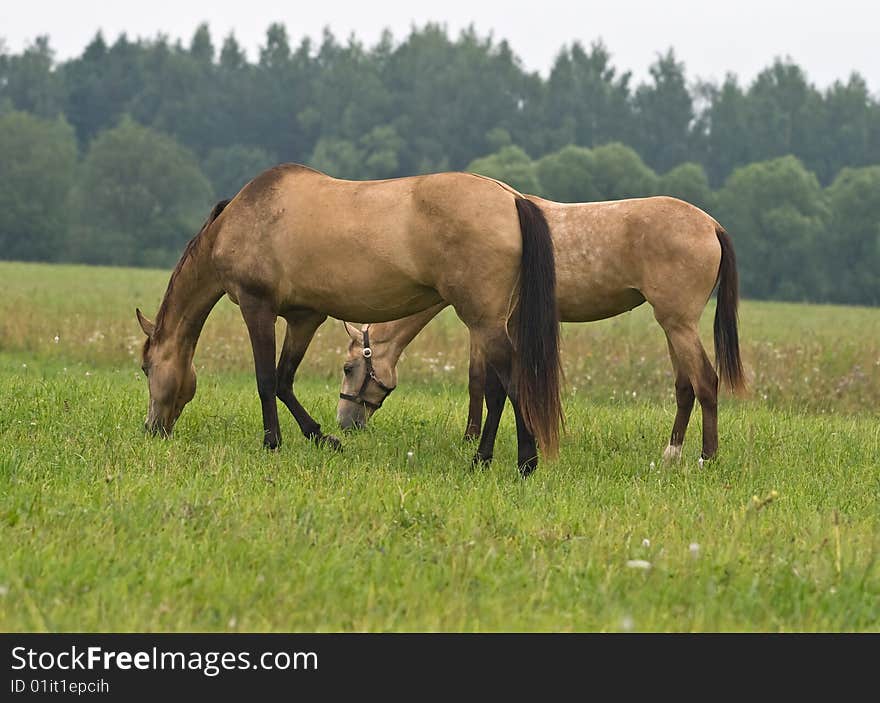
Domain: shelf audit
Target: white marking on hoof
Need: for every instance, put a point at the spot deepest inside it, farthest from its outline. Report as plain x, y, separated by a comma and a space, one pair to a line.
672, 453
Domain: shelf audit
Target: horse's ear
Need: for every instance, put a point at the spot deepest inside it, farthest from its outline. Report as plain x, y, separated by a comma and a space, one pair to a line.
147, 326
353, 332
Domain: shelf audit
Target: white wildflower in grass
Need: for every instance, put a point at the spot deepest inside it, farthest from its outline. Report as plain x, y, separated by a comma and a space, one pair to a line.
694, 549
646, 543
57, 339
700, 462
24, 366
653, 465
640, 564
88, 373
627, 624
409, 456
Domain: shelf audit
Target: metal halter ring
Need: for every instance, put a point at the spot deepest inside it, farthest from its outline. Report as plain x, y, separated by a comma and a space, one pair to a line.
370, 375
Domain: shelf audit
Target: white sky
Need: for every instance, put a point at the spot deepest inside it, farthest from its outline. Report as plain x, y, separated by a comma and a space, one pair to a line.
829, 39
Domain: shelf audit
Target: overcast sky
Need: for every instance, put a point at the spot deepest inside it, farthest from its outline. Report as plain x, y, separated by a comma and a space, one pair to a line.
829, 39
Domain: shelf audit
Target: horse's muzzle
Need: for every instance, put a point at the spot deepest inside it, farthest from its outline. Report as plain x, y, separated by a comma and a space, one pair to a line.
351, 418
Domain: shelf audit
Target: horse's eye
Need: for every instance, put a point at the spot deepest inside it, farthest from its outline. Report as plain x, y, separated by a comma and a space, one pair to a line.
347, 369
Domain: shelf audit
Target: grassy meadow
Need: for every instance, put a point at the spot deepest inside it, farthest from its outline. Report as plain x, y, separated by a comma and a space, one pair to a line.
105, 529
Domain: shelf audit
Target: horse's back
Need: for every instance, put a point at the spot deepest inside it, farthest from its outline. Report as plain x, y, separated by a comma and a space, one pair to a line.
611, 255
305, 234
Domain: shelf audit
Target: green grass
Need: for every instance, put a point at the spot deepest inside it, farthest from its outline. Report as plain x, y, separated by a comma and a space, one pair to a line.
105, 529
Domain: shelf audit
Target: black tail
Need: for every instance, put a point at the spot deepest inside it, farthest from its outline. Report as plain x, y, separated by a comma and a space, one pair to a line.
536, 365
727, 356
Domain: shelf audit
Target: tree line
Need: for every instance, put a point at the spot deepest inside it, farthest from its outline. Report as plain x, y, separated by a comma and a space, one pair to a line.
116, 155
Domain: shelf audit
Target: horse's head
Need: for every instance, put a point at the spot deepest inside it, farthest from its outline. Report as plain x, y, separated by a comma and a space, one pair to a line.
369, 376
171, 377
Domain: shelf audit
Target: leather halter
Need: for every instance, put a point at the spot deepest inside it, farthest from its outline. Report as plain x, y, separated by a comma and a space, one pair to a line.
370, 375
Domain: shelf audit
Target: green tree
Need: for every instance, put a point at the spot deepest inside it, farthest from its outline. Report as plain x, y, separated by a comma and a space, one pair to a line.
851, 249
620, 173
775, 211
784, 112
586, 102
567, 175
179, 97
201, 47
339, 158
138, 200
381, 148
512, 166
721, 132
350, 98
447, 96
689, 182
844, 137
230, 168
271, 99
103, 83
664, 111
29, 81
375, 155
232, 56
37, 165
241, 111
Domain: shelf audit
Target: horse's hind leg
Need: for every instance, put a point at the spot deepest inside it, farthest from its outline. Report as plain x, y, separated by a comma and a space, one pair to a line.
259, 316
301, 329
476, 390
684, 400
694, 364
496, 396
499, 356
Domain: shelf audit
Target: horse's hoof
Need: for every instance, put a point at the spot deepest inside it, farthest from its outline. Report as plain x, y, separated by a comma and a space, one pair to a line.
480, 460
672, 453
528, 466
328, 440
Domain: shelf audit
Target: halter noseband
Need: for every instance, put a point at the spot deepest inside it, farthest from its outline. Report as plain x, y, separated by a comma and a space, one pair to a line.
370, 375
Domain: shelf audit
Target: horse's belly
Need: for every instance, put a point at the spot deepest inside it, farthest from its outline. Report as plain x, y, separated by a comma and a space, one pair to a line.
598, 304
375, 301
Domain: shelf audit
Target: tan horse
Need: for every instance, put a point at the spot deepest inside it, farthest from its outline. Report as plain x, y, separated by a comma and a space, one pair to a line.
610, 258
298, 244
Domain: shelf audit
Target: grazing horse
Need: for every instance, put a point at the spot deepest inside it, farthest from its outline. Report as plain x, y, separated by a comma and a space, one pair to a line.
301, 245
610, 257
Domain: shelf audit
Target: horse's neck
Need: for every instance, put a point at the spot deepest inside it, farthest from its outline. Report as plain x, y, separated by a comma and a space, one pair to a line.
192, 293
401, 332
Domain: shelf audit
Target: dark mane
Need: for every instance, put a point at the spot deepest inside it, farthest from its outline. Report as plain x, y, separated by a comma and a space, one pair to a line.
187, 253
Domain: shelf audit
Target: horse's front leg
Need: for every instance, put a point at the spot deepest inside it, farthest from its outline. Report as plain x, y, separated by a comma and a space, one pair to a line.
259, 316
300, 330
